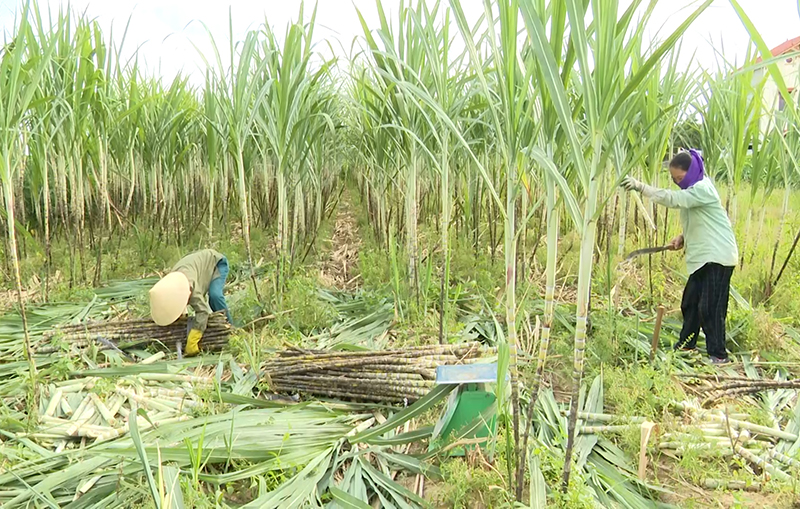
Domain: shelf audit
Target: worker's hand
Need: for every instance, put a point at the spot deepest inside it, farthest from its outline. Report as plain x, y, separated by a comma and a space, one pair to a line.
193, 342
676, 244
631, 184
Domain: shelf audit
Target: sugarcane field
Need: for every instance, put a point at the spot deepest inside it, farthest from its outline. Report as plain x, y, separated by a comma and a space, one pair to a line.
400, 254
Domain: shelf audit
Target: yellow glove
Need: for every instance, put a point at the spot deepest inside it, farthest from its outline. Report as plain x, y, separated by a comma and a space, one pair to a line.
193, 342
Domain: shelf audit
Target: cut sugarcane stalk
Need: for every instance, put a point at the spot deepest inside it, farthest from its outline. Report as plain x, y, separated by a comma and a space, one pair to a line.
65, 408
79, 411
588, 416
713, 484
82, 421
117, 402
55, 402
764, 430
361, 427
786, 460
762, 463
153, 358
167, 377
646, 430
103, 410
593, 430
85, 487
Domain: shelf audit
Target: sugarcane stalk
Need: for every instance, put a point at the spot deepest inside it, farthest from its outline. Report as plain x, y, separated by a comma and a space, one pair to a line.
356, 395
55, 402
85, 487
153, 358
589, 416
786, 460
764, 430
348, 381
462, 350
376, 375
79, 411
394, 390
82, 421
118, 401
65, 408
593, 430
103, 410
762, 463
714, 484
549, 307
150, 403
169, 377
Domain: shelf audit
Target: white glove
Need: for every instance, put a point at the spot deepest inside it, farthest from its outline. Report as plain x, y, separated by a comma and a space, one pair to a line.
631, 184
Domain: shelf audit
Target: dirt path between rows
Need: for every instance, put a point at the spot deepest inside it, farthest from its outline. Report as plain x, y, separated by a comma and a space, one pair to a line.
338, 267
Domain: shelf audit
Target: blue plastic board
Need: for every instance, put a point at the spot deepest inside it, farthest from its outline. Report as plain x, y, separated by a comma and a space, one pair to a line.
467, 374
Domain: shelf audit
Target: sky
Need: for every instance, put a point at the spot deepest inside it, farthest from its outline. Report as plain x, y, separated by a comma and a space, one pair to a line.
172, 34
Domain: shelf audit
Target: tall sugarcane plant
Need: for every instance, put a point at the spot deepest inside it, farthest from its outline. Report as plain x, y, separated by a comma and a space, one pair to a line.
293, 117
241, 90
20, 75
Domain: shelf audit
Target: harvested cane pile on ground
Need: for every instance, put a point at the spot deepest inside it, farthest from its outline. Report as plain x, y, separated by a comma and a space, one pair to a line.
395, 376
769, 450
138, 333
719, 387
716, 424
91, 408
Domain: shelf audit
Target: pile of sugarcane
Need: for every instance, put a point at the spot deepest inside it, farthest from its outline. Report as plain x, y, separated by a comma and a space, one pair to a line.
717, 387
75, 411
715, 433
395, 376
137, 333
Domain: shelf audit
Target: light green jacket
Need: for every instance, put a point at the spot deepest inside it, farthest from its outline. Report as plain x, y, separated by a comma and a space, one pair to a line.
707, 233
200, 268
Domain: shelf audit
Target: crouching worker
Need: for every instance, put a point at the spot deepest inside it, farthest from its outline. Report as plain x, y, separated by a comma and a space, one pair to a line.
711, 252
194, 277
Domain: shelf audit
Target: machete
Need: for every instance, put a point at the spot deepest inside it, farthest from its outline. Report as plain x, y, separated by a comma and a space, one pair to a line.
647, 250
108, 344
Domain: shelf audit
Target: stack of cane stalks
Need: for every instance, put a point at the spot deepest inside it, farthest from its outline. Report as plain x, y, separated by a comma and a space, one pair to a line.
393, 376
138, 333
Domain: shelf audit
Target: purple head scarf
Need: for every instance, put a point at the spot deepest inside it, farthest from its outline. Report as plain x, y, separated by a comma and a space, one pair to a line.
696, 172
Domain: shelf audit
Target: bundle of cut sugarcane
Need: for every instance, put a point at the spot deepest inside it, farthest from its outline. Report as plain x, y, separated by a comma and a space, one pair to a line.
396, 376
139, 333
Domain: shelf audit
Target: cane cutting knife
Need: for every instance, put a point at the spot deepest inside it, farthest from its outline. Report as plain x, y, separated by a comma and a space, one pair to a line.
647, 250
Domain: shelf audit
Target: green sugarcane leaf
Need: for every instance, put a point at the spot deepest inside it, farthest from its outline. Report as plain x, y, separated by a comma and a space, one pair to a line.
538, 486
142, 453
300, 490
412, 436
346, 500
412, 464
399, 493
421, 406
172, 487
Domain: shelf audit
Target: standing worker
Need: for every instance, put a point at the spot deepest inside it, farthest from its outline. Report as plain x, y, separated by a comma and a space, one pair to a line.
194, 277
711, 252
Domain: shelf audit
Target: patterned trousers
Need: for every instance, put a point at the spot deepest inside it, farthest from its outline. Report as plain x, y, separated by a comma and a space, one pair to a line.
705, 304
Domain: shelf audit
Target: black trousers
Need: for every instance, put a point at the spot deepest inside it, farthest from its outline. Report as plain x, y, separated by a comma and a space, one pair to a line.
705, 304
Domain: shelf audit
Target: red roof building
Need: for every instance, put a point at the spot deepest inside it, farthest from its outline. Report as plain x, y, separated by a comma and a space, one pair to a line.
785, 47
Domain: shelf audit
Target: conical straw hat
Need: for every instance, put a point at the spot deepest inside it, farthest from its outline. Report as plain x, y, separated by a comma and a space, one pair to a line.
169, 297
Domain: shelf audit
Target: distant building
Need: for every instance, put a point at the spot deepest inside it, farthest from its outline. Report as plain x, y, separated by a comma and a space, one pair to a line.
790, 69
